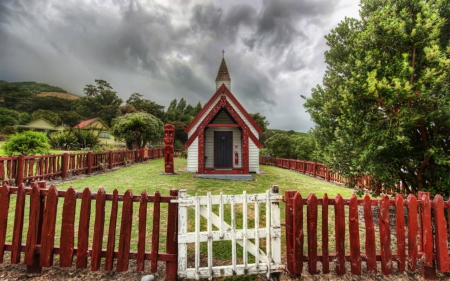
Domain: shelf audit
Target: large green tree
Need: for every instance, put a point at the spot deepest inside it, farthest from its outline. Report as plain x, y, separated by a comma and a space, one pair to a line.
383, 109
137, 129
260, 120
148, 106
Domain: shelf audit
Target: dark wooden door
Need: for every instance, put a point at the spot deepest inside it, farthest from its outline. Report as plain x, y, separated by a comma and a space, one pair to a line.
223, 145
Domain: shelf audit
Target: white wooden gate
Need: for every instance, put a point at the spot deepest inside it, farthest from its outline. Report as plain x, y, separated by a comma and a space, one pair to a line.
217, 229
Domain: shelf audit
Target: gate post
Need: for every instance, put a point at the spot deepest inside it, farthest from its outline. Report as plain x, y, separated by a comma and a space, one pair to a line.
182, 231
276, 226
289, 195
172, 238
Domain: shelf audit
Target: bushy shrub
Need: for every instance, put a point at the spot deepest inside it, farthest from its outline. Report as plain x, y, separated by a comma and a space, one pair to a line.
9, 130
27, 143
65, 140
86, 138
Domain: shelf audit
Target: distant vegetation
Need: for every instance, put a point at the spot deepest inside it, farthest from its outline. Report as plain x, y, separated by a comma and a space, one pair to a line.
34, 87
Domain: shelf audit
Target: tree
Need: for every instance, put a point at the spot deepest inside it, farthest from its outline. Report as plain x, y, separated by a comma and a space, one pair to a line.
179, 130
100, 101
27, 143
8, 117
137, 129
383, 109
47, 115
260, 120
148, 106
70, 118
280, 145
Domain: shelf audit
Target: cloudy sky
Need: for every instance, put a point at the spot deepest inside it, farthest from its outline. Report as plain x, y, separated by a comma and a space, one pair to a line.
166, 49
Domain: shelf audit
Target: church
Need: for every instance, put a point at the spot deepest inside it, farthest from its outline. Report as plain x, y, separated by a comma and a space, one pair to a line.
223, 139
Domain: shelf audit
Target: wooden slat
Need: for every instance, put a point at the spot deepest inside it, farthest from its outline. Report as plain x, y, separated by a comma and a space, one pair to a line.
67, 239
412, 231
298, 235
355, 248
155, 232
289, 195
325, 247
99, 227
142, 231
4, 209
83, 229
385, 237
340, 234
33, 229
48, 228
172, 237
112, 232
400, 228
370, 236
312, 233
125, 232
18, 225
440, 224
427, 238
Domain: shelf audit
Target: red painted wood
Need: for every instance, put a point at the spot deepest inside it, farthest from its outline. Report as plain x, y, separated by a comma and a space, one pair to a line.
297, 235
312, 233
440, 224
340, 234
400, 228
428, 266
67, 240
48, 228
385, 236
65, 164
33, 228
20, 170
4, 210
155, 232
125, 232
289, 213
412, 231
325, 249
83, 229
112, 232
355, 248
18, 225
370, 236
172, 237
142, 231
99, 227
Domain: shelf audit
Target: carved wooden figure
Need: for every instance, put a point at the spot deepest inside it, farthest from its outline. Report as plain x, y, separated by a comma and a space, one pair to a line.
169, 135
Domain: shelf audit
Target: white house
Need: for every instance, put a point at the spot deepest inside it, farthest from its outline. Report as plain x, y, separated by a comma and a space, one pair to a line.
223, 138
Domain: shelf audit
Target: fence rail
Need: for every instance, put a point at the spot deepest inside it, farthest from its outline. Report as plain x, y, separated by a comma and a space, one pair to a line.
26, 169
422, 239
41, 245
319, 170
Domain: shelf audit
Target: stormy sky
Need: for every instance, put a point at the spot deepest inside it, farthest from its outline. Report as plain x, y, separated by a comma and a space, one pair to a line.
166, 49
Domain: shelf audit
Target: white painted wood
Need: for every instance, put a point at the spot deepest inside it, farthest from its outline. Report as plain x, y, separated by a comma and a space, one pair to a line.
209, 146
276, 226
192, 158
203, 206
226, 82
253, 157
194, 128
247, 122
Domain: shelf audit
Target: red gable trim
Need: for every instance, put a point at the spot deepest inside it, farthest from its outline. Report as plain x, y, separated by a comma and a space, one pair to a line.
85, 123
222, 103
223, 88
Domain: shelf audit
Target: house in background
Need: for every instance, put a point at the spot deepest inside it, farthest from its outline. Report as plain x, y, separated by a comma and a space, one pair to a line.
99, 128
40, 125
223, 139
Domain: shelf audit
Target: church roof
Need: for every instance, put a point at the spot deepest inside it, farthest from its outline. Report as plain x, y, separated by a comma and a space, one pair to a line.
223, 74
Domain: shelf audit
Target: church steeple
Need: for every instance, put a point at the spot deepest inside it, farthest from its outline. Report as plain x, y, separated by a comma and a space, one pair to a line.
223, 77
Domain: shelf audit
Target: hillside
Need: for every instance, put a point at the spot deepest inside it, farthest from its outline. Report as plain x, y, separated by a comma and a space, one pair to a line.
58, 95
34, 87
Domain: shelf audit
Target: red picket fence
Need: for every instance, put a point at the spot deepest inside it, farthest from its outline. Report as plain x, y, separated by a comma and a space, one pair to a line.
26, 169
319, 170
421, 234
41, 245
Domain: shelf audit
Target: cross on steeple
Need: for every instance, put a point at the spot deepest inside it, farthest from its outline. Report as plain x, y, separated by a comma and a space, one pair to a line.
223, 53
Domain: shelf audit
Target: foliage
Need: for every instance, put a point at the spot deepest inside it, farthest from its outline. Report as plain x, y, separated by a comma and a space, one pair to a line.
52, 103
36, 88
279, 146
137, 129
14, 98
8, 117
48, 115
260, 120
27, 143
9, 130
70, 118
179, 130
64, 140
100, 101
294, 146
85, 138
145, 105
383, 109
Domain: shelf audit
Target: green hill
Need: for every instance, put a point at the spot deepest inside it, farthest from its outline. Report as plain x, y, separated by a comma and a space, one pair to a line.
34, 87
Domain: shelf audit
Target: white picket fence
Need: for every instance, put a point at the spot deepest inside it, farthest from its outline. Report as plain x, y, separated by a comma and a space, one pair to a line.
265, 262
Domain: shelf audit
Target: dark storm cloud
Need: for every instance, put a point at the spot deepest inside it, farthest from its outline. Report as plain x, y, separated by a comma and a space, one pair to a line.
170, 49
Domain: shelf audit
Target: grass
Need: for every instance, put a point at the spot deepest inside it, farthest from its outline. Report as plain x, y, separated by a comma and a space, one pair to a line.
146, 177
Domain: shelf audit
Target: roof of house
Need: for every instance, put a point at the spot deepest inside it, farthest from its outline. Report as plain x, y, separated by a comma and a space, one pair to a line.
85, 123
223, 89
223, 74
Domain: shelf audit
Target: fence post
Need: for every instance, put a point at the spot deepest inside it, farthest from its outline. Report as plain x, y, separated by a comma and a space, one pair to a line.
289, 195
172, 238
110, 160
20, 171
314, 169
142, 154
64, 165
89, 162
428, 265
34, 267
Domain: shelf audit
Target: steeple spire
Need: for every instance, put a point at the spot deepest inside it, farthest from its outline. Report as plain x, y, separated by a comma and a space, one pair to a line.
223, 77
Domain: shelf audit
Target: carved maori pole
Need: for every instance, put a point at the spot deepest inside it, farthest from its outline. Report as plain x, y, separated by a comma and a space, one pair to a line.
169, 135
